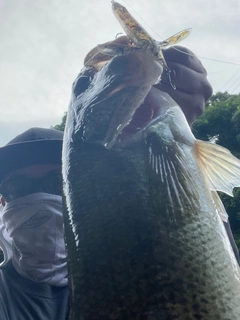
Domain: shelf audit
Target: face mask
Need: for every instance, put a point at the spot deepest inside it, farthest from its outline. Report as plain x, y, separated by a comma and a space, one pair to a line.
33, 228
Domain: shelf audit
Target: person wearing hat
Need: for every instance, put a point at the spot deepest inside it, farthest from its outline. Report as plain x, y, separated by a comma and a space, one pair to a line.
33, 278
33, 275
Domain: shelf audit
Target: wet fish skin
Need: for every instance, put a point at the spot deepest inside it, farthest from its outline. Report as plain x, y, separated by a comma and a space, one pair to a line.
144, 239
80, 135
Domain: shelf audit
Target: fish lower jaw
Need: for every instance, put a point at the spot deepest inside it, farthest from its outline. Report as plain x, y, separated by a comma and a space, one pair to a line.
130, 135
131, 131
152, 110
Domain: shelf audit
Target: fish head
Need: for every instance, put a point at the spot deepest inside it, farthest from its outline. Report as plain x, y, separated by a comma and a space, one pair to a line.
114, 96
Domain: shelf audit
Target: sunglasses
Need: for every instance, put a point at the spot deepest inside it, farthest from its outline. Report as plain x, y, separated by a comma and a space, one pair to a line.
21, 186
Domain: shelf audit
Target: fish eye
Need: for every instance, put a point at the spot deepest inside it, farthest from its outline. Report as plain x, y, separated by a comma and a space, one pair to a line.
81, 85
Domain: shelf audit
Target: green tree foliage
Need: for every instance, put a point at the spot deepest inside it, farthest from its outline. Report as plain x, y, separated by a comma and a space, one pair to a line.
221, 120
61, 126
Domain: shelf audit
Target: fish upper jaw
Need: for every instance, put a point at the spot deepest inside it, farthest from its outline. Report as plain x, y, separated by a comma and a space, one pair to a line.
104, 102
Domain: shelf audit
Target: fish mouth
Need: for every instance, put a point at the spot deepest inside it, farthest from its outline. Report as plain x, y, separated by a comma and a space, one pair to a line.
142, 116
149, 110
134, 97
120, 98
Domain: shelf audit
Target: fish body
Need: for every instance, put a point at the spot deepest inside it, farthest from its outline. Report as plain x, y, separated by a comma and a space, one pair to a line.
143, 222
144, 237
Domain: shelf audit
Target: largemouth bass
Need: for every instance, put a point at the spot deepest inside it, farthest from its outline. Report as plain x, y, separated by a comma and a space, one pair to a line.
144, 235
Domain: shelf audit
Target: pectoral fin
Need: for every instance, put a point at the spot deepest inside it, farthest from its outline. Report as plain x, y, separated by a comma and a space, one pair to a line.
170, 179
220, 168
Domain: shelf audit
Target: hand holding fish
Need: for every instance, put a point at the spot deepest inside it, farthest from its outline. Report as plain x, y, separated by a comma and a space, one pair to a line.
192, 89
190, 78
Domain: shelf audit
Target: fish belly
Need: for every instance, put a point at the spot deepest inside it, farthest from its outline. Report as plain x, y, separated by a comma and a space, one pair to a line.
143, 239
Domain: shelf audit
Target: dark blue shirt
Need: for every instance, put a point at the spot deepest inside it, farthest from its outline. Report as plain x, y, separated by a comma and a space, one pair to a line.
23, 299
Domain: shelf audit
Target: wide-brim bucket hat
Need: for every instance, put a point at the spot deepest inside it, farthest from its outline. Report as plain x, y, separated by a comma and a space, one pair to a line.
34, 146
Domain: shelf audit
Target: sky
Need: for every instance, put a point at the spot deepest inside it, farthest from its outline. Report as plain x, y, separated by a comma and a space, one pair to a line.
43, 45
